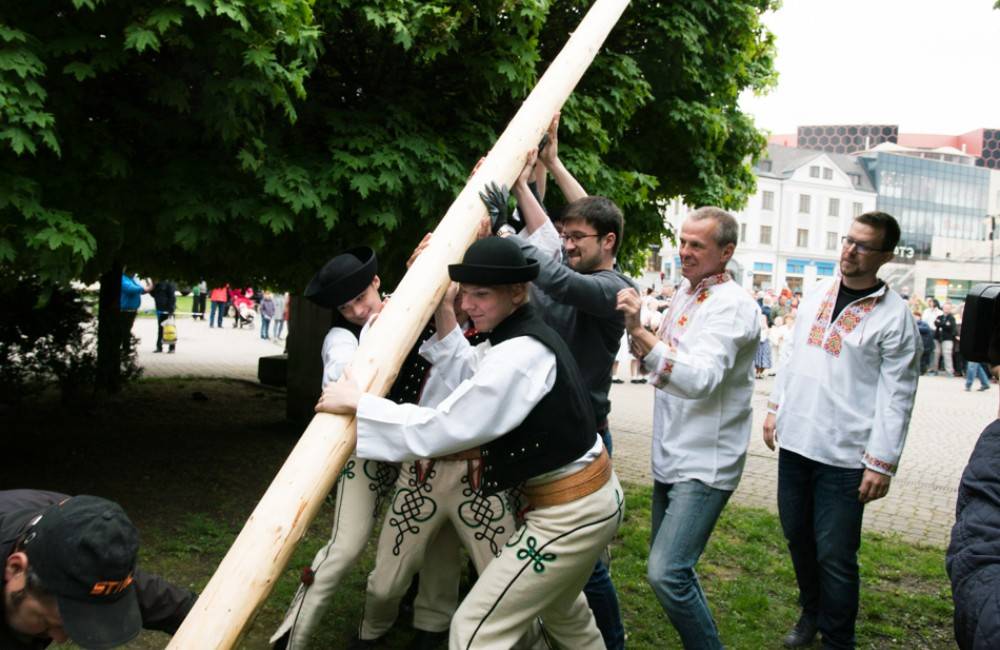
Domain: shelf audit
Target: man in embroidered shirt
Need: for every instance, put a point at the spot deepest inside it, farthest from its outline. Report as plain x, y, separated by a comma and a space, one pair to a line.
702, 368
839, 411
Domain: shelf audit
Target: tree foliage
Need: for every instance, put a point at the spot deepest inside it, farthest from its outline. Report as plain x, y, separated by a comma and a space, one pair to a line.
251, 139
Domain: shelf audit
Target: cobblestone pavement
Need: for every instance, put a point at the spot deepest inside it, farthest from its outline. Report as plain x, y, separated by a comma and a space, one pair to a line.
921, 502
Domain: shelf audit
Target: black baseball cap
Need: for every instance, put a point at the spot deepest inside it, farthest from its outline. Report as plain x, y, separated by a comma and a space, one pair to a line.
84, 551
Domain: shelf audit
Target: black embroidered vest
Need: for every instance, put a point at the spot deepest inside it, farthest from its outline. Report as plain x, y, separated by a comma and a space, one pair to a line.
557, 431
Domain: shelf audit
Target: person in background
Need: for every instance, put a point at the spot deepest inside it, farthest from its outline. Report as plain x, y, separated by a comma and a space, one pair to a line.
266, 314
128, 306
927, 340
164, 293
279, 315
945, 329
220, 296
198, 292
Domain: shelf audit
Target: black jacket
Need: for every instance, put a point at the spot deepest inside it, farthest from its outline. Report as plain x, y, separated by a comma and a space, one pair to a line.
163, 605
945, 328
165, 296
973, 559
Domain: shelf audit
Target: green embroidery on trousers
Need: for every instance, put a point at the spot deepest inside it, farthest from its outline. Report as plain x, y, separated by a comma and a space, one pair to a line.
532, 553
348, 470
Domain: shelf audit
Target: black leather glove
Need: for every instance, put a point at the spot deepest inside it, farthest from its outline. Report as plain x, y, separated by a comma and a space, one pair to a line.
497, 200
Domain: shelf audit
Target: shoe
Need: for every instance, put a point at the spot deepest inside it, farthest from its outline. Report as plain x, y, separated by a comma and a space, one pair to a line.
424, 640
641, 380
616, 380
171, 351
968, 388
157, 351
366, 644
802, 634
634, 381
282, 642
982, 388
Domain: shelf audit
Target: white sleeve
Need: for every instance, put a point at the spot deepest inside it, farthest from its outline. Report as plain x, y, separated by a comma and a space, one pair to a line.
511, 378
338, 350
546, 239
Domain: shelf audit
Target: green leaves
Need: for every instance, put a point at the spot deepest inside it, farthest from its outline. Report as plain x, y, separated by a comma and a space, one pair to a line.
139, 39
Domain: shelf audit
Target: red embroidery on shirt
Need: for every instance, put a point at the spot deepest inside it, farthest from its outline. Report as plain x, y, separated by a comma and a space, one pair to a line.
831, 337
887, 467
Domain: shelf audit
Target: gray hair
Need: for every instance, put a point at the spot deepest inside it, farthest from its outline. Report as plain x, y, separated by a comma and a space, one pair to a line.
727, 230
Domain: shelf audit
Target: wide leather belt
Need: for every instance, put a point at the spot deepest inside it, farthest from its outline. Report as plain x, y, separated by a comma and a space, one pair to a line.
468, 454
588, 480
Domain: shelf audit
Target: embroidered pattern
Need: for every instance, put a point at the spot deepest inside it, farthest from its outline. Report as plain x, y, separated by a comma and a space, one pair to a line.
831, 337
678, 317
662, 378
481, 513
348, 471
412, 507
889, 468
382, 477
537, 558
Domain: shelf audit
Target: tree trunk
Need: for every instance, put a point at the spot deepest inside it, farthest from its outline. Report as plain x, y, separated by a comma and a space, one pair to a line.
109, 331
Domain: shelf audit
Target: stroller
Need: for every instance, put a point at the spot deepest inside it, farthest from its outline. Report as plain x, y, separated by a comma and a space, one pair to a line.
242, 309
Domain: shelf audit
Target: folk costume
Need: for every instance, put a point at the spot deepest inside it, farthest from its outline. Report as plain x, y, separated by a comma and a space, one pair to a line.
702, 369
364, 485
582, 309
520, 400
843, 400
435, 499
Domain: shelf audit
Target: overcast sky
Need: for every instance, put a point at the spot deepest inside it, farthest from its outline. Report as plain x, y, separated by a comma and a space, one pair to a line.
930, 66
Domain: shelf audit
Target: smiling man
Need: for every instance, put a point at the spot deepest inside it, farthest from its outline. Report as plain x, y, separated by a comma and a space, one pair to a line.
702, 367
839, 411
70, 574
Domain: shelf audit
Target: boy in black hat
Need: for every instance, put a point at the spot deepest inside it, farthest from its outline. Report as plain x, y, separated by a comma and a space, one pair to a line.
521, 401
70, 574
349, 285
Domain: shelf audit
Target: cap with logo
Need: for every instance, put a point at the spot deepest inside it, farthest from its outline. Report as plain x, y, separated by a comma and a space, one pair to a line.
84, 551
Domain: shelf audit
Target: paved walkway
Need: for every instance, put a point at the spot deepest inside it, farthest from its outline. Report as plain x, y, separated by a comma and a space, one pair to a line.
920, 505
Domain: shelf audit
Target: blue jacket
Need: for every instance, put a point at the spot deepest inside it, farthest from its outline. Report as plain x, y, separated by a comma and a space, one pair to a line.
973, 559
132, 292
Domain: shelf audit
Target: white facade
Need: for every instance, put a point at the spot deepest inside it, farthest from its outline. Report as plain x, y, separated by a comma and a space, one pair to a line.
790, 229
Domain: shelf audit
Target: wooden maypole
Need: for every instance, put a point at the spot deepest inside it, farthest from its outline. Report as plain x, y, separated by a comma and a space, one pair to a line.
262, 550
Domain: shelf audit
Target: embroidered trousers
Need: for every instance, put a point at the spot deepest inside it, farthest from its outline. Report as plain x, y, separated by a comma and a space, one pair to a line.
541, 571
432, 499
361, 489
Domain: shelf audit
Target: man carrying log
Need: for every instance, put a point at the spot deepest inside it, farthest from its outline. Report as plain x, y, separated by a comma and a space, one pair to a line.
520, 400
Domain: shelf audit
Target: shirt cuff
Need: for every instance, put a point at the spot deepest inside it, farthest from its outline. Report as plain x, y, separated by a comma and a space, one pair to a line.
879, 465
370, 445
660, 363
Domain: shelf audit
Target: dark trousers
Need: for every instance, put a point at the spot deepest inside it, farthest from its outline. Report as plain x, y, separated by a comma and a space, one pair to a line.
602, 596
198, 307
821, 518
126, 319
160, 317
215, 316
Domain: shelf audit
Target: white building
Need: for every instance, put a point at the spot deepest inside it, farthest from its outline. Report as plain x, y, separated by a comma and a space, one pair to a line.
791, 227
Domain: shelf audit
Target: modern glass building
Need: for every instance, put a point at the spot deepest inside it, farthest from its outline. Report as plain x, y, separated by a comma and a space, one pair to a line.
928, 198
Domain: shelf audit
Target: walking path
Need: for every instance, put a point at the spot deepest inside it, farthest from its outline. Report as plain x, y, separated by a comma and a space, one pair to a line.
921, 502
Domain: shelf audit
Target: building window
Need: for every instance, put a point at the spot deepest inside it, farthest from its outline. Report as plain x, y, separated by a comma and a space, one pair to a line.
856, 209
743, 232
765, 235
855, 179
814, 171
802, 238
765, 165
804, 203
827, 174
831, 241
767, 200
834, 208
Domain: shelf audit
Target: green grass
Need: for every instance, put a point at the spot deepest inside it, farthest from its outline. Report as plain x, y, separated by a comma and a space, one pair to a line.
746, 573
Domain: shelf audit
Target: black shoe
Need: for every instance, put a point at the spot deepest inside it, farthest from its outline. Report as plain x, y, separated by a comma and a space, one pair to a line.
616, 380
157, 351
366, 644
282, 642
424, 640
982, 388
802, 634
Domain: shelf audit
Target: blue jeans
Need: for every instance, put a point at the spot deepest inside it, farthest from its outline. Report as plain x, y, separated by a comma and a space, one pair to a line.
821, 518
265, 323
684, 515
602, 596
976, 371
219, 308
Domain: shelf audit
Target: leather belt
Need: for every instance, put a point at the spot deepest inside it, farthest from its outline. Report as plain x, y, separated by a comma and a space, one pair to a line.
468, 454
577, 485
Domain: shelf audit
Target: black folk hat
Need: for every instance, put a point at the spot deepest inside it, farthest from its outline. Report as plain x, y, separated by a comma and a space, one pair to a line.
492, 261
343, 278
84, 551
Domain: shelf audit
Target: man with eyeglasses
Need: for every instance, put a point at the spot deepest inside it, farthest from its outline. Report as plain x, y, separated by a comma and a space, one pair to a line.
840, 411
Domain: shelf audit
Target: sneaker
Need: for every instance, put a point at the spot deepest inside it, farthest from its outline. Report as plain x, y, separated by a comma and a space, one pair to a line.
802, 634
968, 388
982, 388
157, 351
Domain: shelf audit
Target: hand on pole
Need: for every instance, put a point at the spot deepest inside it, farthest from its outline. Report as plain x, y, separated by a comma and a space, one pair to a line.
340, 397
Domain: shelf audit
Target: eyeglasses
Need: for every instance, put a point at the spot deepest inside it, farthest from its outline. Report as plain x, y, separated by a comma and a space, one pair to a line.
576, 237
861, 247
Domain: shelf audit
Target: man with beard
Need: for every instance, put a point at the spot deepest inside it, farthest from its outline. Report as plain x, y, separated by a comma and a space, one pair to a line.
839, 411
